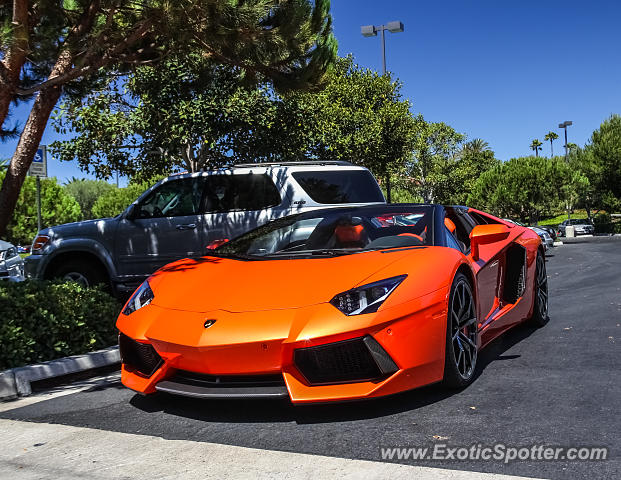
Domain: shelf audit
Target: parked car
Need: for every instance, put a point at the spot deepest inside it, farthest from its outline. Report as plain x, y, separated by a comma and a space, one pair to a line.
582, 226
184, 215
340, 304
23, 249
546, 238
552, 231
11, 264
544, 235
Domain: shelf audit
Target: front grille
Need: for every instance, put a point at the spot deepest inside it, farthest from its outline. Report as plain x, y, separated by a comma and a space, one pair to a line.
351, 360
140, 357
204, 380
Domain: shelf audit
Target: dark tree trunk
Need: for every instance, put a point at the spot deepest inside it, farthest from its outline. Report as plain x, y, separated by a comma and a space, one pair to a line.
29, 142
11, 64
24, 153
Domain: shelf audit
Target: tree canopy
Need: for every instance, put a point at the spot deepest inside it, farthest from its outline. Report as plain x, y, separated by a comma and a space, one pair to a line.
51, 48
190, 114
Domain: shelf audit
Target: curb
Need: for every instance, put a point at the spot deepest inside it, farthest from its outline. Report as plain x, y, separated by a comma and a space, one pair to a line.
15, 382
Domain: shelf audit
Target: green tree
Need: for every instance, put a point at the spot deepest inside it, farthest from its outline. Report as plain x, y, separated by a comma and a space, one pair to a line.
602, 164
360, 116
86, 192
469, 164
195, 115
525, 188
185, 114
536, 146
57, 207
116, 200
432, 160
476, 146
550, 137
51, 48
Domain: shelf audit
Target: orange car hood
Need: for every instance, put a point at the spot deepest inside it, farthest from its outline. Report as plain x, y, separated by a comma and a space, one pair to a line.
213, 283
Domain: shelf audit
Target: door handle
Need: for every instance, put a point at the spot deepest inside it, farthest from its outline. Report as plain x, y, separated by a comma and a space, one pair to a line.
188, 226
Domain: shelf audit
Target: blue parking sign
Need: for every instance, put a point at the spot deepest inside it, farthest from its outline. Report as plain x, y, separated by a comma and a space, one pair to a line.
38, 167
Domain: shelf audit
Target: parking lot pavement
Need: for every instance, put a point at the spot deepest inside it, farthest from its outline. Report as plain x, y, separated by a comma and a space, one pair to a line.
554, 386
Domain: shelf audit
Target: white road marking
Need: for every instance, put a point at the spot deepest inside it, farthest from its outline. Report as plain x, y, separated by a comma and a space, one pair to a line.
45, 451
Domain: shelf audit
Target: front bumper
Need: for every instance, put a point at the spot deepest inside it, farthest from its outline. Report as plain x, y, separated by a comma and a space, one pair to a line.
310, 354
34, 266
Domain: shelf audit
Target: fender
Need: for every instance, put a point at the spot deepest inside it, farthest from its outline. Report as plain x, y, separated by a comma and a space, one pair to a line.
86, 245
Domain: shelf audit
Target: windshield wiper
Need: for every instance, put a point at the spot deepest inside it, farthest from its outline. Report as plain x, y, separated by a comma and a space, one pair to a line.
332, 251
319, 251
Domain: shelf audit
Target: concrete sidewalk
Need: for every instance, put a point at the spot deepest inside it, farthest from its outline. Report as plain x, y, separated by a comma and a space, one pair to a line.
45, 451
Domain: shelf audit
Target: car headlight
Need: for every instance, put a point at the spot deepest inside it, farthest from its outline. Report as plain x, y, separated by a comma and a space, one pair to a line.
141, 297
367, 298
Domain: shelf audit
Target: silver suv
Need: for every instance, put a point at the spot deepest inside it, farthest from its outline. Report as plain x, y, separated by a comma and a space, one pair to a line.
185, 215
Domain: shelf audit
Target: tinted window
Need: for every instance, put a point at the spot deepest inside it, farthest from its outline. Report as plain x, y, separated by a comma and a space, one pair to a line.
225, 193
346, 186
174, 198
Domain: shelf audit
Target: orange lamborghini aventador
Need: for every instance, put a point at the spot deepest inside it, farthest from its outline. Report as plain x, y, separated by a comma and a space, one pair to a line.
335, 304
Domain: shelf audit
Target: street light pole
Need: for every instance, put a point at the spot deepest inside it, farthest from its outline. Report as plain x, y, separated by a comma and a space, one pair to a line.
371, 31
564, 126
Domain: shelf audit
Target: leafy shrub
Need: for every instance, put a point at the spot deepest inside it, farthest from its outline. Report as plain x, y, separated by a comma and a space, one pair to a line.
604, 223
42, 321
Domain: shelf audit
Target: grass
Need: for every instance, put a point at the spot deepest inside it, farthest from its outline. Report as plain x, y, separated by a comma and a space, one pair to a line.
24, 255
559, 218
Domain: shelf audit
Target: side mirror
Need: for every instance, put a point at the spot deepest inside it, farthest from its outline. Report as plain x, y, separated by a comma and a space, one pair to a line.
484, 234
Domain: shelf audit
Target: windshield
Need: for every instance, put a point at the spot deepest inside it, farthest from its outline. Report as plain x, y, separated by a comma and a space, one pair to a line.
337, 232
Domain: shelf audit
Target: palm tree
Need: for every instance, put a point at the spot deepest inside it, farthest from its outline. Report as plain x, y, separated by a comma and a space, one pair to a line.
476, 145
550, 137
536, 146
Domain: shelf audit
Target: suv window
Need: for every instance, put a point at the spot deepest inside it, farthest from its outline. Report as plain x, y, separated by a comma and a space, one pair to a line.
347, 186
175, 198
248, 191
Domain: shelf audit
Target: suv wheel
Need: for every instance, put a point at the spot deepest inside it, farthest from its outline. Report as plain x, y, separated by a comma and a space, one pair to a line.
85, 273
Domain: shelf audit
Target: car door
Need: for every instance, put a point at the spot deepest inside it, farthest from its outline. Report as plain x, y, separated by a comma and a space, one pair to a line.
236, 203
166, 225
487, 267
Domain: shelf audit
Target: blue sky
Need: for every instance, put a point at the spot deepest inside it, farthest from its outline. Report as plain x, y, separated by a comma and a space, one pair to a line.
507, 72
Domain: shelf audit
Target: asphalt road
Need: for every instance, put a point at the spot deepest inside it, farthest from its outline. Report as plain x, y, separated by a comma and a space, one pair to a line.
558, 386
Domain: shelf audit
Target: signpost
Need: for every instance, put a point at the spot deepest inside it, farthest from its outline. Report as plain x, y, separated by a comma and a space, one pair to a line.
38, 169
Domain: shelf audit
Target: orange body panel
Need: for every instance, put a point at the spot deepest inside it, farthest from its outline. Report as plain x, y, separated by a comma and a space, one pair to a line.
256, 331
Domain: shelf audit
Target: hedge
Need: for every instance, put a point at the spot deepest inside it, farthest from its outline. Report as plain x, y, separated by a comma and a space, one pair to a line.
42, 321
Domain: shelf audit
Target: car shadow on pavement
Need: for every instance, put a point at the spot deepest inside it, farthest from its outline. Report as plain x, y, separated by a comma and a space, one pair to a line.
260, 411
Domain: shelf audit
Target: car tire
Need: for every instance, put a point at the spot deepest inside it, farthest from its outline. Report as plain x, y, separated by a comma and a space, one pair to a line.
87, 274
540, 301
461, 335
